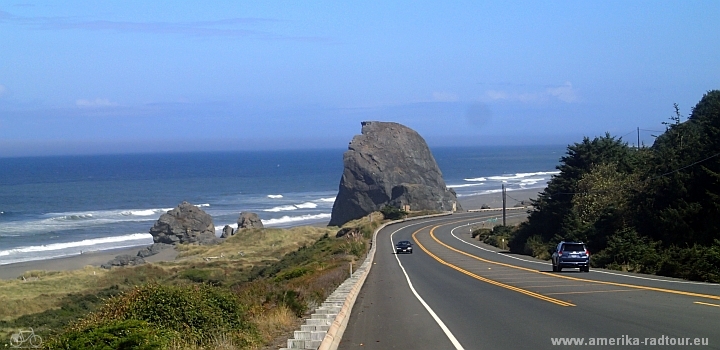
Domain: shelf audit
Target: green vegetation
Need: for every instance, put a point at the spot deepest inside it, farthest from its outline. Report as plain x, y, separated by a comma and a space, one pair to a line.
242, 293
498, 236
645, 209
392, 213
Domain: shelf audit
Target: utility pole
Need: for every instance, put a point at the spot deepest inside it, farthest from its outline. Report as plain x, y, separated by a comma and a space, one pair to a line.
503, 199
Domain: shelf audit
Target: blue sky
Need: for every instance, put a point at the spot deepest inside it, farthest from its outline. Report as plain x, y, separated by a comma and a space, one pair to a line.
147, 76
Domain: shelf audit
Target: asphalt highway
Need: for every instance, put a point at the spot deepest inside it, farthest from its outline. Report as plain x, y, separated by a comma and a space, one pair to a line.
454, 292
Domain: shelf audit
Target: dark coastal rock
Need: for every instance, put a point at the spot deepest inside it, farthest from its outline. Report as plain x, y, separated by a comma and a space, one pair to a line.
184, 224
153, 249
348, 231
227, 231
249, 220
123, 260
389, 164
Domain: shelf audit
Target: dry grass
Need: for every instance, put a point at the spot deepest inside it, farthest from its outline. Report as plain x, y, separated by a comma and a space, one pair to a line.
218, 342
275, 322
42, 290
254, 245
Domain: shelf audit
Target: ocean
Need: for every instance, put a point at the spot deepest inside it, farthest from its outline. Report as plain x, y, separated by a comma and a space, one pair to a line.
65, 205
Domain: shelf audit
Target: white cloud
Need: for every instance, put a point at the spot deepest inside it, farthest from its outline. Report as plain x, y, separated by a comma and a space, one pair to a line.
565, 93
98, 102
440, 96
497, 95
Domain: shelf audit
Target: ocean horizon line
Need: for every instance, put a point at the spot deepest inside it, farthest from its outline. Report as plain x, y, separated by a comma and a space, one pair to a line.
260, 150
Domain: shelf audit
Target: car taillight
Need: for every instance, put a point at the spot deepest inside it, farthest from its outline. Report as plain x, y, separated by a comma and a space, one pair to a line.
587, 252
560, 253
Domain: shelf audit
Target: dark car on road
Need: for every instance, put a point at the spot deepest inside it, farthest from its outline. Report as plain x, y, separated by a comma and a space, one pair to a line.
571, 254
403, 247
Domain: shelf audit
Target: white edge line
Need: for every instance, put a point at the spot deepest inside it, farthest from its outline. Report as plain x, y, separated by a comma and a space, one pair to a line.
452, 232
437, 319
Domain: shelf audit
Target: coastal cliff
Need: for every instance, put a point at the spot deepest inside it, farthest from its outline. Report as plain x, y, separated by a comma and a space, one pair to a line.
389, 164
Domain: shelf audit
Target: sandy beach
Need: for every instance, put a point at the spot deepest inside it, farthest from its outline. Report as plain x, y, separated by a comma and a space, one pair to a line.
11, 271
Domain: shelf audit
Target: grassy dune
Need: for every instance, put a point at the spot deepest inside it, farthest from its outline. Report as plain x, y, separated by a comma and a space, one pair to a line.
276, 275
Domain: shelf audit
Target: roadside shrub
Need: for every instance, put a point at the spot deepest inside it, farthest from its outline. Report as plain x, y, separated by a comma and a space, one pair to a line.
392, 213
697, 263
535, 247
497, 237
628, 251
195, 312
112, 335
481, 233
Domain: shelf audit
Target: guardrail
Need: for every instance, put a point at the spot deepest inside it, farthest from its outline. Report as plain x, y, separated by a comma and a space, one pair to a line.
495, 209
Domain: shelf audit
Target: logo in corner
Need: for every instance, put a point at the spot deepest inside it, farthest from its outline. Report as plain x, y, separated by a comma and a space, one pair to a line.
25, 339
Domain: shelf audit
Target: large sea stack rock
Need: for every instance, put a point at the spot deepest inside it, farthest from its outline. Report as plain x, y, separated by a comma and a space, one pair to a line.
389, 164
184, 224
249, 220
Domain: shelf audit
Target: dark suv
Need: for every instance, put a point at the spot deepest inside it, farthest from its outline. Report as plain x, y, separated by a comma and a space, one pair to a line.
571, 254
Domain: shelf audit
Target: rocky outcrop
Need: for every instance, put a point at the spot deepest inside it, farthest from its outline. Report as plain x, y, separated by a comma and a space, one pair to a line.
249, 220
184, 224
389, 164
348, 232
123, 260
227, 231
153, 249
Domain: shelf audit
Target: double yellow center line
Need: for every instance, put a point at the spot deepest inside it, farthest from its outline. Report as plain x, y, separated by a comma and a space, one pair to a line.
533, 294
496, 283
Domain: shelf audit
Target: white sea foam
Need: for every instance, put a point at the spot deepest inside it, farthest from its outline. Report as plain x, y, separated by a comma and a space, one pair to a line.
203, 205
274, 196
219, 228
281, 208
477, 179
306, 205
466, 185
76, 244
289, 219
73, 217
520, 176
329, 199
143, 212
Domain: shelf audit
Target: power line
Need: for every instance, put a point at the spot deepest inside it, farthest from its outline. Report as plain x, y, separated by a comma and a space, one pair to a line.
632, 132
685, 167
646, 180
517, 200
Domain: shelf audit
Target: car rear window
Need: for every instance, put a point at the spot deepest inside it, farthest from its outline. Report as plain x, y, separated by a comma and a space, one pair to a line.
573, 248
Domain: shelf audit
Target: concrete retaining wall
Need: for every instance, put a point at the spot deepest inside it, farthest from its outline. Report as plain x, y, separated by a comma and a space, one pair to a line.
325, 327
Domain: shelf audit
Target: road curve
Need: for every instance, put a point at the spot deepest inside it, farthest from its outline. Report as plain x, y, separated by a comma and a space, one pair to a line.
455, 293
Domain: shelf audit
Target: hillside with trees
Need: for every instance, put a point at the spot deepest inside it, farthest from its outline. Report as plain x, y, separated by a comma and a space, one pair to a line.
642, 209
